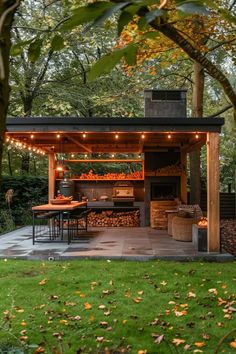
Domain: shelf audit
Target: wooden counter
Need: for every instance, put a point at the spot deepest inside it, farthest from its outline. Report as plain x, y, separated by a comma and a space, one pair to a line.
59, 207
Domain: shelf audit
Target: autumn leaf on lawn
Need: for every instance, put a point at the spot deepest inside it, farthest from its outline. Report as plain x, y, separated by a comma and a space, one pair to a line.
142, 351
213, 291
159, 339
233, 344
23, 338
178, 341
191, 294
199, 344
23, 323
163, 283
39, 350
140, 292
101, 307
68, 303
65, 322
103, 323
137, 299
221, 301
99, 339
180, 313
43, 282
87, 306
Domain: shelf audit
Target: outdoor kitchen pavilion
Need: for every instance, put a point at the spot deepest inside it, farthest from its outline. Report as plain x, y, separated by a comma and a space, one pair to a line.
150, 136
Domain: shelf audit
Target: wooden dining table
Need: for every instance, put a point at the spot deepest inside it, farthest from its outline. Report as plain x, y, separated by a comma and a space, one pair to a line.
49, 221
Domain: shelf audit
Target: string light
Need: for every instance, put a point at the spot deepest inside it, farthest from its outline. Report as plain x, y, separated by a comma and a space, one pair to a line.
58, 136
117, 136
18, 144
72, 155
197, 136
32, 136
84, 135
143, 136
169, 136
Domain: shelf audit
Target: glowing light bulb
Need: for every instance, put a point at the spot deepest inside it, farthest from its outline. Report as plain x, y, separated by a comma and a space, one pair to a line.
84, 135
169, 136
196, 136
32, 136
143, 136
117, 136
58, 136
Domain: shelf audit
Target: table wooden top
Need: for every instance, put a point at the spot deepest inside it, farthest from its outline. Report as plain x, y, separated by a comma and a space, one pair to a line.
59, 207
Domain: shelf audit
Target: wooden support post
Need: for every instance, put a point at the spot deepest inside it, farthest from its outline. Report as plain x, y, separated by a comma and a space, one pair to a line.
183, 181
51, 176
213, 202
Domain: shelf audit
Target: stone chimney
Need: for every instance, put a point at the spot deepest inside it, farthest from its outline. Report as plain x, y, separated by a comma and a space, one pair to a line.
165, 103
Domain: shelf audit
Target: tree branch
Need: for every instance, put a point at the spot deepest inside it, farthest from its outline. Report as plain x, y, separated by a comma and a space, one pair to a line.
226, 108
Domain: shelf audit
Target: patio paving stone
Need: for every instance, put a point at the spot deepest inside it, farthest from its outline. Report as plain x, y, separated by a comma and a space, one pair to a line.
138, 243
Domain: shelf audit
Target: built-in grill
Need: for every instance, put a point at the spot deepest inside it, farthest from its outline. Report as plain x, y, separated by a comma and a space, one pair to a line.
123, 194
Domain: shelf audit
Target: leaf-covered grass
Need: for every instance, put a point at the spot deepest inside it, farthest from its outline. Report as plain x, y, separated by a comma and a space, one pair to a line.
99, 306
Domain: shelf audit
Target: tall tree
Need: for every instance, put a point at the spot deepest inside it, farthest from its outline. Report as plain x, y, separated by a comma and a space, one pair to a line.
7, 12
164, 17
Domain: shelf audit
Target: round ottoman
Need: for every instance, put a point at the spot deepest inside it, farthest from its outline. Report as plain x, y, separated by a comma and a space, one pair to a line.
182, 228
169, 224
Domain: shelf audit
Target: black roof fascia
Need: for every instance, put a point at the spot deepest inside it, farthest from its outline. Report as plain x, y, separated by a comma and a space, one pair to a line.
103, 124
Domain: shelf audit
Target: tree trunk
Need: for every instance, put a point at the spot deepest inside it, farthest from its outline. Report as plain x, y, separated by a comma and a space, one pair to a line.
197, 108
7, 11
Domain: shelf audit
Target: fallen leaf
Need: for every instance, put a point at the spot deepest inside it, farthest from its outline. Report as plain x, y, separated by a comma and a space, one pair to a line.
39, 350
68, 303
163, 283
199, 344
180, 313
103, 323
159, 339
65, 322
43, 282
191, 294
213, 291
178, 341
141, 292
187, 347
233, 344
106, 292
23, 338
197, 351
171, 302
87, 306
100, 339
142, 351
102, 307
23, 323
221, 301
52, 297
205, 336
124, 321
107, 313
137, 299
183, 305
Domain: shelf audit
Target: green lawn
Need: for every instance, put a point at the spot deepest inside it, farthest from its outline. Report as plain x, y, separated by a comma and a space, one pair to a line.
101, 306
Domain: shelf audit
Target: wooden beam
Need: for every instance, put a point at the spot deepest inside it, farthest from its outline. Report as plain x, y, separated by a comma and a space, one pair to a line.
51, 176
213, 202
76, 142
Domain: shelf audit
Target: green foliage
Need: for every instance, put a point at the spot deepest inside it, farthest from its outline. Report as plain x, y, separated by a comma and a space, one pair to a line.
6, 221
28, 191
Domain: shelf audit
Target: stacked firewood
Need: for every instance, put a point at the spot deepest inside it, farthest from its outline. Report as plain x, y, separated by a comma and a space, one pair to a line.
110, 218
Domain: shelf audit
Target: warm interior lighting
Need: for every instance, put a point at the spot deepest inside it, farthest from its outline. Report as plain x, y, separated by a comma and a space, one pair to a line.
7, 139
32, 136
85, 155
169, 136
58, 136
117, 136
197, 136
112, 155
84, 135
202, 222
143, 136
72, 155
